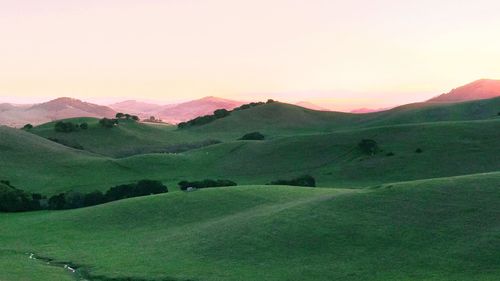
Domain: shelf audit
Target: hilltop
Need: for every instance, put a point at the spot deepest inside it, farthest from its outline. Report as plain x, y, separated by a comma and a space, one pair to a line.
56, 109
477, 90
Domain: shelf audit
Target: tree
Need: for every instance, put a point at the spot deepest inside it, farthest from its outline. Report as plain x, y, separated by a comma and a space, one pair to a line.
368, 146
127, 116
221, 113
84, 126
270, 101
74, 200
253, 136
16, 200
57, 202
119, 115
94, 198
135, 117
120, 192
148, 187
108, 123
65, 127
305, 180
28, 127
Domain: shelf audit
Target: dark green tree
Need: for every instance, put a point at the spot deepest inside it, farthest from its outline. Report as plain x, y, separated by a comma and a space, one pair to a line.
368, 146
28, 127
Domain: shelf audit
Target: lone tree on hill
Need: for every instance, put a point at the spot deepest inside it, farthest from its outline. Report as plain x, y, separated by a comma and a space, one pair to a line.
305, 180
84, 126
108, 123
368, 146
65, 127
28, 127
253, 136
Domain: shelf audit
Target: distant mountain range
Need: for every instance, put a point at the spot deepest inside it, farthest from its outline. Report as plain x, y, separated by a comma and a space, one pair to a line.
61, 108
175, 113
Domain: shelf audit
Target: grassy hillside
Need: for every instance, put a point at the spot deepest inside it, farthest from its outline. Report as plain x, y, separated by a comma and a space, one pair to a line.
449, 149
273, 120
278, 118
335, 160
442, 229
128, 138
35, 164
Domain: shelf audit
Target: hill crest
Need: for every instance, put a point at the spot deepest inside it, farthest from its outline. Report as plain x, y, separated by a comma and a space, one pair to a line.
477, 90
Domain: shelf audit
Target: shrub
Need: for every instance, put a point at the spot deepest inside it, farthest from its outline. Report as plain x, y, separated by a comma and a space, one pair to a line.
65, 127
94, 198
221, 113
218, 114
141, 188
305, 180
183, 185
108, 123
253, 136
16, 200
120, 192
57, 202
84, 126
368, 146
148, 187
28, 127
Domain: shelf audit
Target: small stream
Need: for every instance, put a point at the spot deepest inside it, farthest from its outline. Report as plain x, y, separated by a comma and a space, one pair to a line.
79, 273
72, 269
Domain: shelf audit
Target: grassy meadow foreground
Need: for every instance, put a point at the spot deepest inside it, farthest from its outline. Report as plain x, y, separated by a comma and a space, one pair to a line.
426, 206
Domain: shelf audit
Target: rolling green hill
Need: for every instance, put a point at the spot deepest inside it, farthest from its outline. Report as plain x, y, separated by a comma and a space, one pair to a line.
35, 164
441, 229
284, 119
273, 120
449, 149
128, 138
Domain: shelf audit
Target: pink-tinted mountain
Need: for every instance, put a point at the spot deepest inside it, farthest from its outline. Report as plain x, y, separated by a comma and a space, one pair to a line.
56, 109
477, 90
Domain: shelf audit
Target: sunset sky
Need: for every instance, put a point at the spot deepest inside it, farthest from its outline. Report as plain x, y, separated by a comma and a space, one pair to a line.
342, 54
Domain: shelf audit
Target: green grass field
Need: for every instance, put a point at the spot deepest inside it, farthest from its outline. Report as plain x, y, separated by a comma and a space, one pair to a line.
395, 215
441, 229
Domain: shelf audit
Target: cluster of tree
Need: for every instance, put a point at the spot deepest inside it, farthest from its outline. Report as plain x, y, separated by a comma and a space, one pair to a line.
73, 200
202, 120
108, 123
305, 180
68, 126
126, 116
253, 104
153, 119
16, 200
184, 185
218, 114
368, 146
253, 136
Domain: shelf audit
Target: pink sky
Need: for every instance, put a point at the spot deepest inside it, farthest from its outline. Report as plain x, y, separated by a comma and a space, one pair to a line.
345, 54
